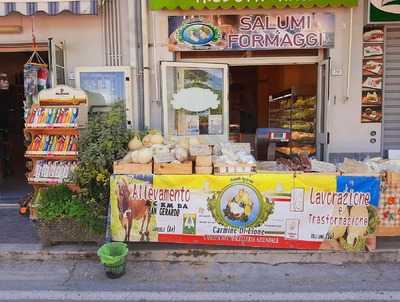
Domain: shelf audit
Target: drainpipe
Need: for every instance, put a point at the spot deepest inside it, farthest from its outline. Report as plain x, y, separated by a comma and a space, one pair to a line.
146, 67
137, 61
349, 65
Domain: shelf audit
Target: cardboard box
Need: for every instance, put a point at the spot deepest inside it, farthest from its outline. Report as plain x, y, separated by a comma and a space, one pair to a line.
204, 170
203, 161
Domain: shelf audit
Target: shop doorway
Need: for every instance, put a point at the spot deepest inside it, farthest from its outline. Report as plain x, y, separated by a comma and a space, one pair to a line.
13, 185
284, 95
275, 96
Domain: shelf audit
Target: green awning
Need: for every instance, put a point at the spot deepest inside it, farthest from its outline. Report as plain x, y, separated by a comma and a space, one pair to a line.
240, 4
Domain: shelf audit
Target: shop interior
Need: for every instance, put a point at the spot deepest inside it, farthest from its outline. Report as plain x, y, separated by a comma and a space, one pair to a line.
13, 185
274, 96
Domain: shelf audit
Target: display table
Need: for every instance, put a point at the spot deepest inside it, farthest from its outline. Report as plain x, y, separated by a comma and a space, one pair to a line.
275, 210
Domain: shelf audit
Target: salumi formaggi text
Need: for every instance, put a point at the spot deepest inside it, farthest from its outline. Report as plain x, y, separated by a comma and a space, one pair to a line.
276, 32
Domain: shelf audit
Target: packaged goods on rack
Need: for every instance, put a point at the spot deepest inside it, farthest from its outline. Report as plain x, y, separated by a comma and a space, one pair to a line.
52, 116
297, 113
54, 143
46, 170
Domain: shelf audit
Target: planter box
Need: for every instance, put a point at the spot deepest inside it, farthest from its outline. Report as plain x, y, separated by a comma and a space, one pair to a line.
174, 168
130, 168
66, 231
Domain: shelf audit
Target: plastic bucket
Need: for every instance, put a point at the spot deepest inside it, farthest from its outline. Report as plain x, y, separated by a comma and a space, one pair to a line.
113, 256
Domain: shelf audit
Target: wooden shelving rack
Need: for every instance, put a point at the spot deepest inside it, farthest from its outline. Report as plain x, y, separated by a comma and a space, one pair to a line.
60, 97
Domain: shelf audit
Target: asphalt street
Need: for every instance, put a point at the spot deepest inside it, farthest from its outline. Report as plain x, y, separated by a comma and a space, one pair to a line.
85, 280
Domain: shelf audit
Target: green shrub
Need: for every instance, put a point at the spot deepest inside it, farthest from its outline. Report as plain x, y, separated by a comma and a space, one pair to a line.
59, 202
104, 141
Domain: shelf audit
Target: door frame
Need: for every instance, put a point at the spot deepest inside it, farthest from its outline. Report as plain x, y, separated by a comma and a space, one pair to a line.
257, 61
270, 61
323, 135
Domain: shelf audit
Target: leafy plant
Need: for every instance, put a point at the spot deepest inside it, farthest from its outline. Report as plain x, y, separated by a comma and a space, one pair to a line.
104, 141
58, 202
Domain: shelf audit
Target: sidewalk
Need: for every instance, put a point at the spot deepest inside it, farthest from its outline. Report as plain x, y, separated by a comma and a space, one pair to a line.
14, 228
155, 252
19, 240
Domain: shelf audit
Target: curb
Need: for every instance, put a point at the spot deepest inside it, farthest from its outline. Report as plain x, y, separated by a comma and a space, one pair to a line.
36, 252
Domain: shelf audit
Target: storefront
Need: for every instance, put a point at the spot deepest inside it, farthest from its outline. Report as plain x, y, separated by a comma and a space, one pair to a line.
229, 71
76, 43
323, 71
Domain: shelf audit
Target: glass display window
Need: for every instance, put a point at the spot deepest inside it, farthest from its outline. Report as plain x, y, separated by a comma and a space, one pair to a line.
195, 100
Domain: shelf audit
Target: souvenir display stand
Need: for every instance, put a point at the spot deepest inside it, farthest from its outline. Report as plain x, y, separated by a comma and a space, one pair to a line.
52, 126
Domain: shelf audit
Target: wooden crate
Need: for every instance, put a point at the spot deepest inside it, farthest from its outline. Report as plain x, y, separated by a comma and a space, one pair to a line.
131, 168
225, 169
387, 231
203, 161
393, 178
184, 168
204, 170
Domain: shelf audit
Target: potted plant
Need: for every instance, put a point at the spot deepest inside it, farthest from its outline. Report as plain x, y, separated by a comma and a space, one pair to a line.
100, 144
64, 217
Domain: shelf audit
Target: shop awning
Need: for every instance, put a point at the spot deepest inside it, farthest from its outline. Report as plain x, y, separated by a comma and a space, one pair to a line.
240, 4
25, 7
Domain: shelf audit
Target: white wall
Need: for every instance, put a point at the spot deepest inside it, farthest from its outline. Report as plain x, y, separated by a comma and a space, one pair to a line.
82, 36
347, 132
344, 115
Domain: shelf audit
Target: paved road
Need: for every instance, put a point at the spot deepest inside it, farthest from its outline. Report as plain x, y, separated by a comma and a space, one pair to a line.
161, 281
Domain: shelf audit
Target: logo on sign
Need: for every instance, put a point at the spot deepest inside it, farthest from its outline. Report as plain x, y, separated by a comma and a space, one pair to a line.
240, 205
198, 33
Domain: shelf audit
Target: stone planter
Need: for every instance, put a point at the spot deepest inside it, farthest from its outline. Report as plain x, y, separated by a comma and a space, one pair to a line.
66, 231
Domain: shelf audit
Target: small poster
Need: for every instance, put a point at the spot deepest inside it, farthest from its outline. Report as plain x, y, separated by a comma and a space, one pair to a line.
103, 88
192, 124
372, 74
215, 124
383, 11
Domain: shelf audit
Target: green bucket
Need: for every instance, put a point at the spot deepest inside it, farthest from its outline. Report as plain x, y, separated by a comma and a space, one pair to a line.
113, 256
